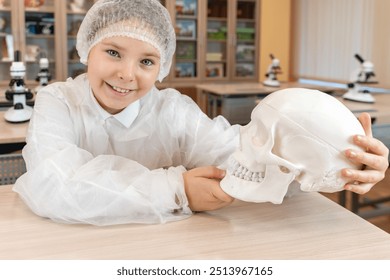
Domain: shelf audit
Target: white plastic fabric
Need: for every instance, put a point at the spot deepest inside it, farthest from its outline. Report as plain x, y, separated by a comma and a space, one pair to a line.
294, 134
85, 166
145, 20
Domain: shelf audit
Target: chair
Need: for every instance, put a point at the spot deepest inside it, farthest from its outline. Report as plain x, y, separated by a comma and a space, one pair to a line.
12, 166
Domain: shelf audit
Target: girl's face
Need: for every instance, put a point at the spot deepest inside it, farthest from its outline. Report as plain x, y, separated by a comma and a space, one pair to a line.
121, 70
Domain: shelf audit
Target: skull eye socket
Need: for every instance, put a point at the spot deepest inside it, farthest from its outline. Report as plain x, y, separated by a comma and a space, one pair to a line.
284, 169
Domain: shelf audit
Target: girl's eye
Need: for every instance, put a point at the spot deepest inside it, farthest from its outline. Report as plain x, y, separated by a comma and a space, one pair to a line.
113, 53
147, 62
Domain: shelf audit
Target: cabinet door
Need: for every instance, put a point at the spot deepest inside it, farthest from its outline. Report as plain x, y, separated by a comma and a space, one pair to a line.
40, 37
217, 51
8, 41
245, 43
186, 22
74, 17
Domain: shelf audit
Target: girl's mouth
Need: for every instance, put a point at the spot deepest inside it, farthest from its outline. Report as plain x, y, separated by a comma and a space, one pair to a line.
119, 90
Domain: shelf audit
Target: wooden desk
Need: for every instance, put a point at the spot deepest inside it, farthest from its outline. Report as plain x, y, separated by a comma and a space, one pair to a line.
305, 226
380, 110
12, 132
213, 98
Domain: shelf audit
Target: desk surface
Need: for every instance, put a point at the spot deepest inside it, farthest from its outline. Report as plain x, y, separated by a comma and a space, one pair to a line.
253, 88
305, 226
379, 110
12, 132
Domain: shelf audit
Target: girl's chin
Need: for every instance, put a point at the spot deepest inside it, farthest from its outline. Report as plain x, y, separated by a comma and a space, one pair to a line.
113, 108
113, 111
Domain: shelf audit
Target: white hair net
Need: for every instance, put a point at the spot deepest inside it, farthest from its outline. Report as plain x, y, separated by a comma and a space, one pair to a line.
145, 20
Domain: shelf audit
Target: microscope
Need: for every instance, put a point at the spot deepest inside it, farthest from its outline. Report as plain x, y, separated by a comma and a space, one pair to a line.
361, 76
18, 93
272, 72
44, 75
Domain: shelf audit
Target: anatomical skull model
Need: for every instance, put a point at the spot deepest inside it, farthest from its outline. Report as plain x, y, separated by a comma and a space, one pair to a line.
294, 134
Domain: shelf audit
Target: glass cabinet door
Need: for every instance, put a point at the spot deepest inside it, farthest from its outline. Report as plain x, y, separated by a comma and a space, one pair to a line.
40, 40
245, 39
6, 39
217, 39
186, 22
74, 16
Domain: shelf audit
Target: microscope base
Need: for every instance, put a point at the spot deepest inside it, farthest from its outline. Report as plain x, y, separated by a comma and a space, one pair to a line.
359, 97
271, 83
18, 115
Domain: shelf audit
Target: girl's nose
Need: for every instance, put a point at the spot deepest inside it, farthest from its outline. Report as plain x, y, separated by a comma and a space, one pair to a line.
127, 73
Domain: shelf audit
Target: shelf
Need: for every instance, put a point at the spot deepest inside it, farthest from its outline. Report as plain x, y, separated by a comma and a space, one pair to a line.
5, 9
40, 36
41, 9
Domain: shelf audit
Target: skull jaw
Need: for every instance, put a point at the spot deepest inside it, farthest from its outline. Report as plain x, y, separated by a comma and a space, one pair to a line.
271, 186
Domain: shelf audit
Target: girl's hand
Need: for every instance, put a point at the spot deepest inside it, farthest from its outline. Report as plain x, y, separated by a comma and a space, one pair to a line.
375, 160
203, 190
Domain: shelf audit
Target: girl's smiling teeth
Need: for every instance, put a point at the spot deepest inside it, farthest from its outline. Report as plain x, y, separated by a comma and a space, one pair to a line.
120, 90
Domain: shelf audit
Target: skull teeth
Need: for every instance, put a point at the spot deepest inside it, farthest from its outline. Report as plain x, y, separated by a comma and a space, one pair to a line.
240, 171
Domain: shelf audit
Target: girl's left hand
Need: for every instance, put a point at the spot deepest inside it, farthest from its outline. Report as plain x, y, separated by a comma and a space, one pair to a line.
375, 160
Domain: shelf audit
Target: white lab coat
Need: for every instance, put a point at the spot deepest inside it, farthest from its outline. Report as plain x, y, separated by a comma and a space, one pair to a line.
86, 166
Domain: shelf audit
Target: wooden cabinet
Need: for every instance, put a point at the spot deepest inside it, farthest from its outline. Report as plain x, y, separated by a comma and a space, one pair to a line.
235, 22
39, 37
8, 19
217, 40
31, 28
40, 28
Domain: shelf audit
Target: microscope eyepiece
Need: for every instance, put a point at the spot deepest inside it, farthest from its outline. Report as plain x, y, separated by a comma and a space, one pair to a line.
358, 57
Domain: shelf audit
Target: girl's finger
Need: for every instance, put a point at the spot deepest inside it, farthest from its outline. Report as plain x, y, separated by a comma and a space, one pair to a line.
365, 120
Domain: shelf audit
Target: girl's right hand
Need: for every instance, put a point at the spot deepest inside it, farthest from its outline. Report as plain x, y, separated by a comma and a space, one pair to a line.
202, 187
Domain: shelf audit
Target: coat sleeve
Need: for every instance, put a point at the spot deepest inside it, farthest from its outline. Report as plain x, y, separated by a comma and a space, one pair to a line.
68, 184
205, 141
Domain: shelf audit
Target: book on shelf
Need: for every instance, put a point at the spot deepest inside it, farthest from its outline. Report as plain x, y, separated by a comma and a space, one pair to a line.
185, 29
245, 33
214, 70
245, 69
245, 52
185, 50
217, 33
214, 56
185, 70
186, 7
